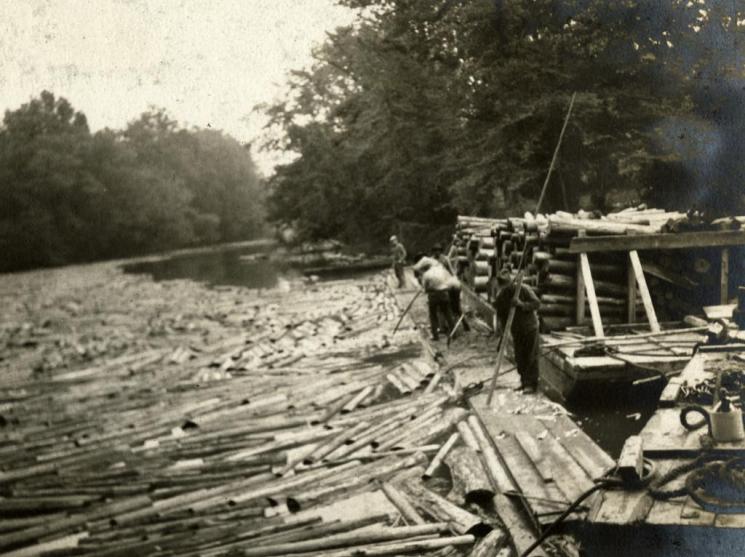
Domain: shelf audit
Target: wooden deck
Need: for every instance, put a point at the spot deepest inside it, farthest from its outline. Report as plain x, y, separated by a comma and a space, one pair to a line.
565, 373
549, 459
669, 445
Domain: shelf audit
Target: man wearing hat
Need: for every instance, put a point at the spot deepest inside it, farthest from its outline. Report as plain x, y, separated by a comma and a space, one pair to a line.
524, 327
398, 256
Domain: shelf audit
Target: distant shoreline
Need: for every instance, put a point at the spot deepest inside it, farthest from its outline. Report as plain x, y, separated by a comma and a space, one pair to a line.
152, 257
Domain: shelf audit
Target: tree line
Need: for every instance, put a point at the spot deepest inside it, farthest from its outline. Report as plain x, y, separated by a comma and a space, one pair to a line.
69, 195
421, 109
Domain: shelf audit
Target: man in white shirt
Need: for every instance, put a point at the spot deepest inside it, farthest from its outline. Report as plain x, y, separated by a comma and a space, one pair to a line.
437, 283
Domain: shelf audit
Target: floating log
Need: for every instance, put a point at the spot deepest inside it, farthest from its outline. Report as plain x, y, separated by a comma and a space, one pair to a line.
402, 503
461, 521
364, 536
499, 478
470, 479
491, 544
439, 457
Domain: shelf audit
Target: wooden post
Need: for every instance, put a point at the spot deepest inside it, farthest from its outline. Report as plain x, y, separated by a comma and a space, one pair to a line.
654, 326
631, 294
597, 322
631, 462
724, 278
580, 288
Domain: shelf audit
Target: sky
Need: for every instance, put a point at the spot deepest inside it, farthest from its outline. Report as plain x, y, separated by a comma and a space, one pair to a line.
208, 62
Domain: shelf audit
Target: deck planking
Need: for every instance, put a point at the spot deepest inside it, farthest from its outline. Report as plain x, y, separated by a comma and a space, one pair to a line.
551, 460
669, 445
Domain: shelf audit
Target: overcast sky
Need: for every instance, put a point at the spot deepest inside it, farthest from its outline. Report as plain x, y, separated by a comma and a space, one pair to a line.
207, 61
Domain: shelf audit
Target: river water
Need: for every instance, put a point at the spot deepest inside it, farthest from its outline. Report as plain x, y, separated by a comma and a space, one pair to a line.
247, 265
225, 267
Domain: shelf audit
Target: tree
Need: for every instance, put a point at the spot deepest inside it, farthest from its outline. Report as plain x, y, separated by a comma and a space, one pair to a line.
46, 187
225, 191
68, 195
419, 110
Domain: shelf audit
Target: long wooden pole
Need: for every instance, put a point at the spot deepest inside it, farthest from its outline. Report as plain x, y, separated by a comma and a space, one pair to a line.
411, 303
519, 279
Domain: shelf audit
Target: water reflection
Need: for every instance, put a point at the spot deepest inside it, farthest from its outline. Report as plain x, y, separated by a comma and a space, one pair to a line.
223, 267
248, 266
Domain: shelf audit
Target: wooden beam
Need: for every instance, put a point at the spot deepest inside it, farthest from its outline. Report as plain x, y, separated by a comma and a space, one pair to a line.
654, 326
631, 294
631, 462
682, 240
580, 298
724, 278
597, 322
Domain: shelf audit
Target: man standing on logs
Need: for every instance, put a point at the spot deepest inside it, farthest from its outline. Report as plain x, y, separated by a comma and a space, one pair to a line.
524, 327
454, 290
437, 282
398, 256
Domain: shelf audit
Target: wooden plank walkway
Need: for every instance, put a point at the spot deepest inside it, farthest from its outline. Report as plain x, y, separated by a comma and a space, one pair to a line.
551, 460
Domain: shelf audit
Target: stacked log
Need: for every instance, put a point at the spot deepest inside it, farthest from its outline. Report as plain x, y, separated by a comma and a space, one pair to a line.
541, 244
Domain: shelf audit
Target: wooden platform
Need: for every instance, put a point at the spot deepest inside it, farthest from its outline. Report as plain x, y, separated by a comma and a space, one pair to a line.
669, 445
564, 374
550, 460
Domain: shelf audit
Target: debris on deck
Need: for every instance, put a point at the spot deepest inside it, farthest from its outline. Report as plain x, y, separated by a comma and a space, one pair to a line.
687, 484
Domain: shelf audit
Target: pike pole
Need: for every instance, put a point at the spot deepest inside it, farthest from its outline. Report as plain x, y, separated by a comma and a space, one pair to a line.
411, 303
519, 279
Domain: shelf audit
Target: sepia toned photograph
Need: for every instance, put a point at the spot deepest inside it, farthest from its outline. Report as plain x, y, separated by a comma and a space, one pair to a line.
363, 278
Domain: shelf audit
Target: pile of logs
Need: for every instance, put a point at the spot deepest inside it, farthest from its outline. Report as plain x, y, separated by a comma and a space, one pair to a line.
250, 423
485, 247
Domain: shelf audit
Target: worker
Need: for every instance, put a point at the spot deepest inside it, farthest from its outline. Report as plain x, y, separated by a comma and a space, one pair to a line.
398, 256
524, 327
437, 282
454, 291
472, 251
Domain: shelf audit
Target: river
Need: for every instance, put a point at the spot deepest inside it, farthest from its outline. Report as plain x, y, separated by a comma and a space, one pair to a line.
248, 265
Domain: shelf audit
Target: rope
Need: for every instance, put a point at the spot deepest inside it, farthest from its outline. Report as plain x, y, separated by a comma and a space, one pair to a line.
648, 481
655, 490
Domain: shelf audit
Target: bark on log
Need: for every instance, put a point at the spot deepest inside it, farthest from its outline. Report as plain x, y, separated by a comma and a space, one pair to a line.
470, 478
462, 521
402, 503
491, 544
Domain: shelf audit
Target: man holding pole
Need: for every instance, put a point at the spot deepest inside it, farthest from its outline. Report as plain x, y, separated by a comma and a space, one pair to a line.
528, 374
398, 257
524, 327
437, 282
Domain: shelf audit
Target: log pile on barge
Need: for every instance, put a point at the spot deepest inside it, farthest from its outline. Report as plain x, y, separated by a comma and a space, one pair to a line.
680, 281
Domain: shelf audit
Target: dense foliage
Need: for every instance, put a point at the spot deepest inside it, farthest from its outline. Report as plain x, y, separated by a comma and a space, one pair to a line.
424, 108
69, 195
